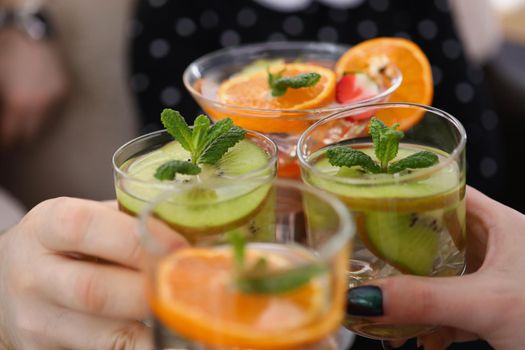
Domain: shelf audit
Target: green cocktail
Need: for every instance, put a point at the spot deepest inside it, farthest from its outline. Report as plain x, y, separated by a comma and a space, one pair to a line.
231, 192
410, 213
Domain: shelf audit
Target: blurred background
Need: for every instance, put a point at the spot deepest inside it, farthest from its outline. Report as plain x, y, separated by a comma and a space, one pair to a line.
73, 85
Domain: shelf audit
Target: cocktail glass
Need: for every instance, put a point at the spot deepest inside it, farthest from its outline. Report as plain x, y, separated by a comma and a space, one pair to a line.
412, 222
203, 77
194, 291
134, 191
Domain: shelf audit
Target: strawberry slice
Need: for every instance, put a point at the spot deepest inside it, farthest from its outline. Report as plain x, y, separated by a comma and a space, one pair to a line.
354, 87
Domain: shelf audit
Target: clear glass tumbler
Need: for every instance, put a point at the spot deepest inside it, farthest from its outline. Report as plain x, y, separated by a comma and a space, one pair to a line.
412, 222
282, 287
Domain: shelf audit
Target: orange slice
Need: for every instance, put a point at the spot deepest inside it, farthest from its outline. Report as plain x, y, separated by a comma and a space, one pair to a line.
417, 85
251, 90
196, 298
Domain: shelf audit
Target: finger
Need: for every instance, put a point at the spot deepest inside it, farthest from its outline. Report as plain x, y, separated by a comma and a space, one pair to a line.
461, 302
85, 332
104, 290
92, 228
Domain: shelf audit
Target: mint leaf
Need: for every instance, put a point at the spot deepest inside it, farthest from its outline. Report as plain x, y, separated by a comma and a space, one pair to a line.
422, 159
219, 128
199, 136
177, 127
386, 141
345, 156
168, 170
279, 85
274, 282
220, 145
376, 127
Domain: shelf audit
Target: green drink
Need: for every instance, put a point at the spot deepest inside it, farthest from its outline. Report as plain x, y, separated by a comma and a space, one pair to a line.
234, 191
410, 221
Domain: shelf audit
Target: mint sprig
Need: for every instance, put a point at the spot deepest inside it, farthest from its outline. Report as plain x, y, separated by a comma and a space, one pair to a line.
206, 143
386, 146
259, 279
279, 84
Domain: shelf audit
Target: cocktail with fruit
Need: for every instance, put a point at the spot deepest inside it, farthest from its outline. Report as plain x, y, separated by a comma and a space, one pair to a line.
239, 290
220, 172
280, 89
405, 188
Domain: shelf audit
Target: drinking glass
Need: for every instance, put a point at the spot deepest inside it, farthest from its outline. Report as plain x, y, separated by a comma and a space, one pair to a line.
201, 299
411, 222
203, 77
133, 192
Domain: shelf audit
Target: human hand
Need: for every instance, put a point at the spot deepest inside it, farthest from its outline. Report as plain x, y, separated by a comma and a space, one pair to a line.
487, 304
32, 82
53, 292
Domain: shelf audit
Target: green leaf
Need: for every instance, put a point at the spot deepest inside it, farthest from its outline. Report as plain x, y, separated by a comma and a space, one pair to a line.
278, 281
220, 145
199, 136
386, 141
176, 126
280, 85
418, 160
345, 156
376, 127
219, 128
168, 170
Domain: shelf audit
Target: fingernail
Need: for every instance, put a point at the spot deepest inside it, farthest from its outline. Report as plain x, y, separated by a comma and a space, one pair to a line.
364, 301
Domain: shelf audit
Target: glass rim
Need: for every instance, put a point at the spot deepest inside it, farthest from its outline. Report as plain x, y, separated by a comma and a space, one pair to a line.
289, 45
458, 149
272, 161
345, 232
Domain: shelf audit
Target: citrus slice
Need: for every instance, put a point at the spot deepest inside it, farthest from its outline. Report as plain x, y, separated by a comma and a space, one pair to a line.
416, 87
242, 92
195, 297
252, 90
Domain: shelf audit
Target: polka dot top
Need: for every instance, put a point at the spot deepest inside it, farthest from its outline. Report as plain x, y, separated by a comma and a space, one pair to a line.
166, 36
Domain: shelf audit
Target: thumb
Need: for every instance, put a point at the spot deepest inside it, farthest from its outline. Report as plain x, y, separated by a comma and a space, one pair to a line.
460, 302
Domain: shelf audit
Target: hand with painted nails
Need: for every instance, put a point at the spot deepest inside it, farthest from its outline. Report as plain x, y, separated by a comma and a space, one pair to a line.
71, 279
488, 303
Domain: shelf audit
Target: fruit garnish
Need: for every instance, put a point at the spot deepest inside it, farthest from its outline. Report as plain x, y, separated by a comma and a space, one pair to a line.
386, 145
417, 85
407, 241
257, 278
280, 84
206, 143
253, 90
356, 86
194, 297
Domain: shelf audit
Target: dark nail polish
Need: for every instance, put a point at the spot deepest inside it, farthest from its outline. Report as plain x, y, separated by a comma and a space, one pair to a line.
364, 301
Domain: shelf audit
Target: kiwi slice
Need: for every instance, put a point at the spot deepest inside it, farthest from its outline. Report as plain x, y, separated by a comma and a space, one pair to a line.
409, 242
211, 202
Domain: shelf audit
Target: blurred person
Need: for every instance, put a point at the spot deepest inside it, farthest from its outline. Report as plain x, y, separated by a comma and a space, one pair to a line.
33, 77
85, 47
33, 81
